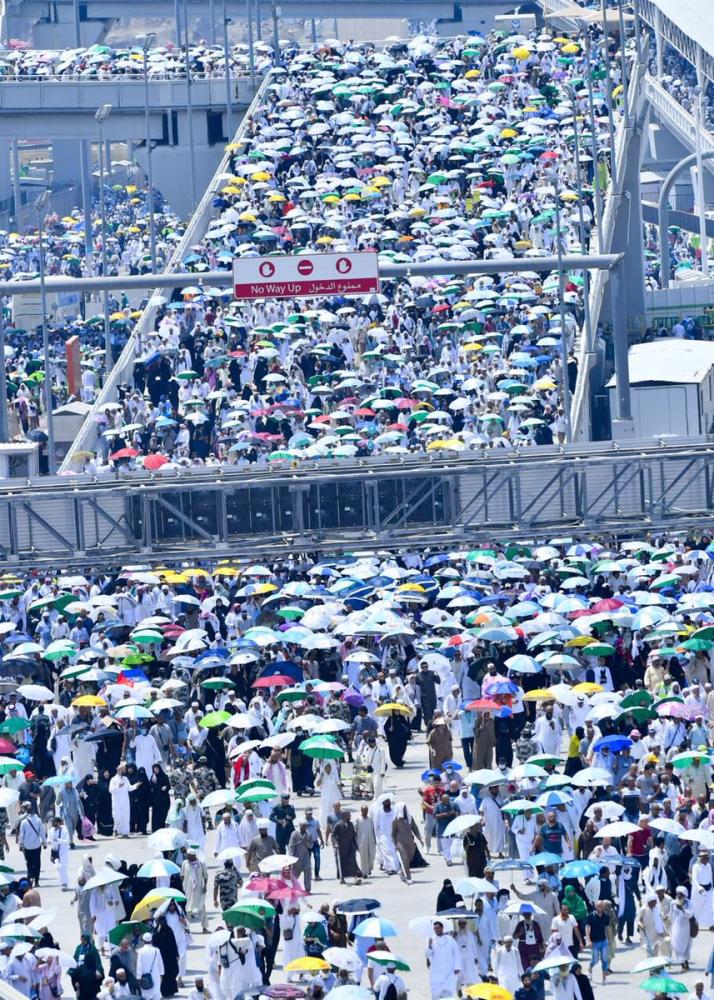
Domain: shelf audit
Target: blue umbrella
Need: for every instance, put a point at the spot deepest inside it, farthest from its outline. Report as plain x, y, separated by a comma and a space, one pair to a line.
544, 859
375, 927
553, 798
511, 865
613, 743
579, 869
59, 779
453, 764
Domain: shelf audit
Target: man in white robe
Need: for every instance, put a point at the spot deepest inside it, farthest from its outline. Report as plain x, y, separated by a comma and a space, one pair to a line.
227, 834
383, 818
107, 910
59, 847
149, 961
465, 939
494, 829
443, 959
702, 893
146, 751
548, 733
507, 965
119, 787
194, 876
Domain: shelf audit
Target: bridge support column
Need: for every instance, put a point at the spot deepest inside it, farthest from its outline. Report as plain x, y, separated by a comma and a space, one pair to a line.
6, 198
66, 162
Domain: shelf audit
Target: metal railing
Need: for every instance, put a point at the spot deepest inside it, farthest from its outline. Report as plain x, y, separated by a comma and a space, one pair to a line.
86, 439
211, 513
682, 122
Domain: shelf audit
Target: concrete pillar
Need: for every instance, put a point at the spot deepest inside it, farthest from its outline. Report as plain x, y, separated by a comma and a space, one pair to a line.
659, 44
16, 191
66, 162
6, 204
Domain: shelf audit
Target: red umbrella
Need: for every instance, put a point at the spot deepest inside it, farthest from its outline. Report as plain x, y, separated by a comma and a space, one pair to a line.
124, 453
482, 705
153, 462
263, 883
7, 746
364, 411
548, 155
289, 892
276, 680
608, 604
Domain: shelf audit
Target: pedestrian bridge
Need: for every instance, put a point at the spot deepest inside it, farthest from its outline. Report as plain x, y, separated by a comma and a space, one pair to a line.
65, 109
415, 501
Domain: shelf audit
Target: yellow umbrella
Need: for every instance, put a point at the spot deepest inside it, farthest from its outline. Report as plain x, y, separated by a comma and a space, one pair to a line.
544, 383
472, 347
151, 900
131, 188
381, 182
352, 197
569, 196
307, 964
226, 571
240, 181
618, 89
331, 199
417, 587
276, 196
392, 706
325, 240
587, 687
260, 175
117, 315
264, 588
452, 444
580, 640
89, 701
417, 212
571, 49
472, 74
523, 244
488, 991
247, 217
508, 133
521, 52
539, 694
197, 571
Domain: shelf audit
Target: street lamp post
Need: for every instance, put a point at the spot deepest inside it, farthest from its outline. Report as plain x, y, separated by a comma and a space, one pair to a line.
251, 53
148, 42
698, 125
227, 57
4, 435
608, 96
276, 36
594, 152
565, 387
581, 216
40, 205
101, 116
189, 109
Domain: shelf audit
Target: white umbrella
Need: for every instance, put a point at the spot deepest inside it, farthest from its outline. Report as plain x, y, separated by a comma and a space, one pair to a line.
24, 913
166, 839
610, 810
343, 958
231, 854
107, 876
460, 825
158, 868
621, 828
221, 797
219, 937
332, 726
65, 960
591, 776
279, 741
35, 692
276, 863
554, 962
8, 797
667, 825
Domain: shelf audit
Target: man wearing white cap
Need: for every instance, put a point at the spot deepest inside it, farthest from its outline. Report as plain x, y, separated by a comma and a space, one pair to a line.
650, 924
389, 978
507, 965
680, 928
149, 969
443, 959
194, 876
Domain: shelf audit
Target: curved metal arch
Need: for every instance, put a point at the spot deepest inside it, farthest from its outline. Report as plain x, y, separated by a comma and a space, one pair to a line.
663, 211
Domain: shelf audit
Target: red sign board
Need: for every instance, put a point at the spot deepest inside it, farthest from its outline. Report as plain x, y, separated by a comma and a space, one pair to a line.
305, 275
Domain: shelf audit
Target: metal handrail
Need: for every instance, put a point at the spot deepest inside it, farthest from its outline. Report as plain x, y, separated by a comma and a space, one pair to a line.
87, 436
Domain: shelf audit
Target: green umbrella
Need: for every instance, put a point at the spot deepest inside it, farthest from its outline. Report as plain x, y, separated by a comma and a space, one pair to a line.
240, 917
638, 699
290, 613
292, 694
127, 929
255, 795
437, 179
322, 748
258, 783
145, 638
217, 683
663, 984
261, 907
14, 725
598, 649
688, 757
9, 595
698, 645
213, 719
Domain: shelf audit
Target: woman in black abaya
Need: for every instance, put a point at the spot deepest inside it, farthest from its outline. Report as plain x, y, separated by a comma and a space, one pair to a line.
165, 941
159, 797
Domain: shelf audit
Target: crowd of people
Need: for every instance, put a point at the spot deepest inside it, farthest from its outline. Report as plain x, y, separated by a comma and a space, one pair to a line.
20, 63
448, 149
555, 699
